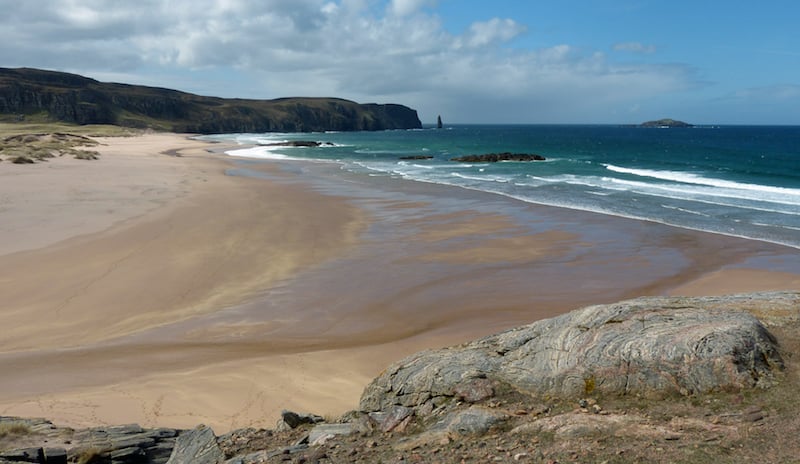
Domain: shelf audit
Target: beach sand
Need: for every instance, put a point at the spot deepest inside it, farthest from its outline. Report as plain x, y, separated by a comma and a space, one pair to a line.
170, 285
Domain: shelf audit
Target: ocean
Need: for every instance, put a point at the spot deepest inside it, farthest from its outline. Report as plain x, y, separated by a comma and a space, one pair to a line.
741, 181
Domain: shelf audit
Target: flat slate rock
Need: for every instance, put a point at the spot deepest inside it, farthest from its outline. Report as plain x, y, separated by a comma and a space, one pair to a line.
197, 446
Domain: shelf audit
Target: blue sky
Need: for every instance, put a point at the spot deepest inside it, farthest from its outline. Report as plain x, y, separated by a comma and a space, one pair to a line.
500, 61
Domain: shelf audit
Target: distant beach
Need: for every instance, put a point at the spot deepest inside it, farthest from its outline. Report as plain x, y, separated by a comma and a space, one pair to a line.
205, 288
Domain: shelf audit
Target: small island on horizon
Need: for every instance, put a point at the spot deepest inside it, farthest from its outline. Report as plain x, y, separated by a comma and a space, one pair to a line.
666, 122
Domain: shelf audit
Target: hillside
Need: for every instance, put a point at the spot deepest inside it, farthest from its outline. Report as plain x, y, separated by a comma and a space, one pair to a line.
33, 94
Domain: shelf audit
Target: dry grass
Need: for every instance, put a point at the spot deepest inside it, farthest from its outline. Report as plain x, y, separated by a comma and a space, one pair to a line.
90, 455
12, 429
29, 148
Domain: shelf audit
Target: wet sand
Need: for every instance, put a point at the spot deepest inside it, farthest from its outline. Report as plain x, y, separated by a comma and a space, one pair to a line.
175, 290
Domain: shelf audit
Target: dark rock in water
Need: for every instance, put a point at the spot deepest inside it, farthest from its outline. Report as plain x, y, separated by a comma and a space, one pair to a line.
416, 157
297, 143
651, 347
496, 157
439, 122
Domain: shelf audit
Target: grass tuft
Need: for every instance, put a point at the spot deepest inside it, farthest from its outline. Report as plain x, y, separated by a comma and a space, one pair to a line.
8, 429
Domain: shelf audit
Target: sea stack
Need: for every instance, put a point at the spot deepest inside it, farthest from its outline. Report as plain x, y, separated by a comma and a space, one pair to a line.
439, 122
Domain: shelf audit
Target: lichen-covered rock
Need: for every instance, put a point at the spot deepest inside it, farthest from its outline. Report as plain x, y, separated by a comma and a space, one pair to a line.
649, 346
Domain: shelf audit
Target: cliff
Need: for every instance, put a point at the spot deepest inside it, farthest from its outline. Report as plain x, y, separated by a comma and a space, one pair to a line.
76, 99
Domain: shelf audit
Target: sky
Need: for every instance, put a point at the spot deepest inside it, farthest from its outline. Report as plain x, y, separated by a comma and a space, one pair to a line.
470, 61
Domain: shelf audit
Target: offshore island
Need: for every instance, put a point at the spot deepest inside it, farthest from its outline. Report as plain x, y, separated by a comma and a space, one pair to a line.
148, 289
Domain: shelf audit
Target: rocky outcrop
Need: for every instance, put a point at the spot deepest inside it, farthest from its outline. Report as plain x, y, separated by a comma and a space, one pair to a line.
496, 157
537, 393
665, 123
650, 347
39, 440
77, 99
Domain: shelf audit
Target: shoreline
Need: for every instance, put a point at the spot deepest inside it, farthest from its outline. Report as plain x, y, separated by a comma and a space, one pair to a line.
381, 268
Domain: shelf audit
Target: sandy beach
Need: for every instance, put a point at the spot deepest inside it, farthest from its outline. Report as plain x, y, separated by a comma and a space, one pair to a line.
169, 284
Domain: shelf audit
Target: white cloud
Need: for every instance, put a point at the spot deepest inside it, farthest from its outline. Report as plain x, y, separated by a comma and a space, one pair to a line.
634, 47
407, 7
495, 30
355, 49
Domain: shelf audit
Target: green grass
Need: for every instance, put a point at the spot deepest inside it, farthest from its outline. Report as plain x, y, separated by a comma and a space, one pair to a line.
8, 129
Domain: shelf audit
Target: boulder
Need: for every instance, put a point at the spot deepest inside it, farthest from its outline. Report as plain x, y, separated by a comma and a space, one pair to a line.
652, 347
196, 446
292, 420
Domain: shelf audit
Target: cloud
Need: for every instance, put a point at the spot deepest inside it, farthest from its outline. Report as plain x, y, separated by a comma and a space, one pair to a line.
495, 30
407, 7
634, 47
773, 93
364, 50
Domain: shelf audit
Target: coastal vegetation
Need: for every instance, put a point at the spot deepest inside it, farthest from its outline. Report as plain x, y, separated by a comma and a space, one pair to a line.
38, 95
21, 146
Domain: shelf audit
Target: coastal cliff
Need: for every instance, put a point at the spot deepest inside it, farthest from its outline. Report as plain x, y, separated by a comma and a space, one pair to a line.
56, 96
644, 380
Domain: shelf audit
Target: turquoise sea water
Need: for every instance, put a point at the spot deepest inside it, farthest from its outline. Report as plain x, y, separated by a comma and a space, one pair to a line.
734, 180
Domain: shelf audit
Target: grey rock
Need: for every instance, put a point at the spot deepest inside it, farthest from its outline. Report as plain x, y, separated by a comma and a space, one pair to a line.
474, 390
394, 417
138, 440
55, 455
475, 420
121, 444
161, 452
160, 434
323, 432
130, 454
24, 455
649, 346
252, 458
196, 446
294, 420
